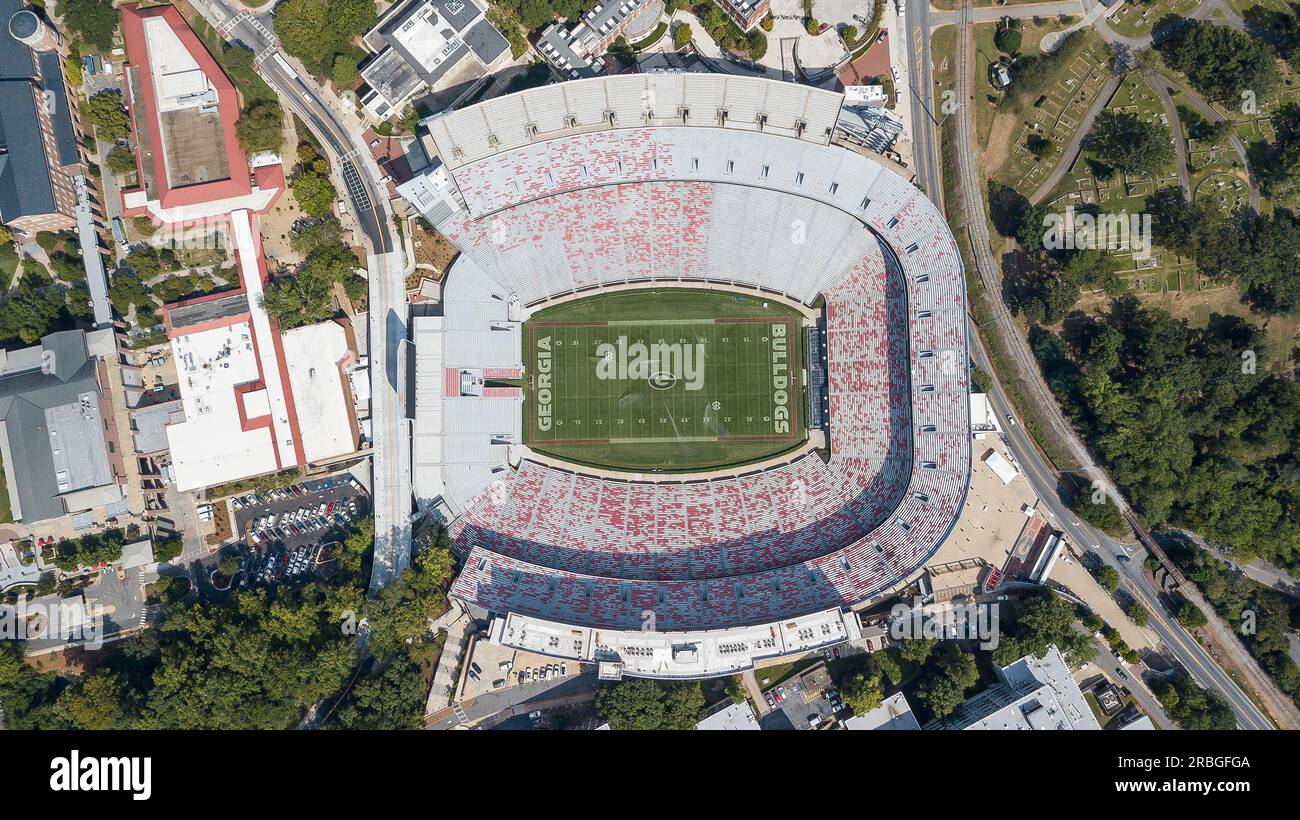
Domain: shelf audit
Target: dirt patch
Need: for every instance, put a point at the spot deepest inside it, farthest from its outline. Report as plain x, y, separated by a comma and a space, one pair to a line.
220, 526
998, 148
72, 661
433, 255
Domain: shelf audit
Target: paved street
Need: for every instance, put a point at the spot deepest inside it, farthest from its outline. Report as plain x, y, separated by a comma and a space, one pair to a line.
517, 698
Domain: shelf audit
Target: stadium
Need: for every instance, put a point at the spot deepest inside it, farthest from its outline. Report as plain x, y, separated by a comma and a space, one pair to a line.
697, 384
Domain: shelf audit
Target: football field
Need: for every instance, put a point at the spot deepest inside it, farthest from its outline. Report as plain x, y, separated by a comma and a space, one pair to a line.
665, 393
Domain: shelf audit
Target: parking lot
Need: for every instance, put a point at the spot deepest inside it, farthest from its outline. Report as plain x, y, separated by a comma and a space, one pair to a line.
288, 529
492, 667
794, 705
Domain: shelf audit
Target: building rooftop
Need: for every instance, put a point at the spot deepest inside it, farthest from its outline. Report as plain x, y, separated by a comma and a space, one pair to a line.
735, 717
1034, 693
225, 436
25, 187
893, 714
315, 356
53, 434
184, 111
421, 43
149, 424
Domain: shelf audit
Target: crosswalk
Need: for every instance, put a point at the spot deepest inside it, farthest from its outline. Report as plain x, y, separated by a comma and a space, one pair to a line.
355, 189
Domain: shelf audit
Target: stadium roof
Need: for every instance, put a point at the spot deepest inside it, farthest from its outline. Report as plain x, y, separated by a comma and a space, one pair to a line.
505, 123
696, 654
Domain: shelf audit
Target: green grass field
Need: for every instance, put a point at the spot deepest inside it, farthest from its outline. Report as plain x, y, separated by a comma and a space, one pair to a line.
668, 380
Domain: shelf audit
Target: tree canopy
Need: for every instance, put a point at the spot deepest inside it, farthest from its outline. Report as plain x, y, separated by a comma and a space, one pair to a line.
638, 703
91, 21
1220, 61
1130, 144
106, 112
317, 31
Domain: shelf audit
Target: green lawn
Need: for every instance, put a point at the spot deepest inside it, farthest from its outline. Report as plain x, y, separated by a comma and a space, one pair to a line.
666, 380
6, 514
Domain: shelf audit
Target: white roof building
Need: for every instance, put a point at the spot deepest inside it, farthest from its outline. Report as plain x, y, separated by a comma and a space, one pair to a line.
983, 418
736, 717
316, 356
1034, 693
893, 714
1002, 468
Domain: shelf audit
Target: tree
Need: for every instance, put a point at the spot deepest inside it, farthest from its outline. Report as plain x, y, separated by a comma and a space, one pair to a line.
681, 35
297, 300
1130, 144
1220, 61
1137, 613
106, 112
638, 703
126, 290
317, 31
167, 549
121, 161
1043, 619
260, 127
315, 194
916, 650
620, 50
92, 21
345, 70
145, 261
1193, 707
144, 226
862, 693
228, 566
394, 700
1108, 577
1040, 146
95, 702
1007, 40
1103, 515
1190, 616
28, 312
947, 677
756, 44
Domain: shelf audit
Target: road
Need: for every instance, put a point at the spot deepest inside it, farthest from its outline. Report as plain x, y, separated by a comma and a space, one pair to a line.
519, 699
1040, 475
925, 144
388, 311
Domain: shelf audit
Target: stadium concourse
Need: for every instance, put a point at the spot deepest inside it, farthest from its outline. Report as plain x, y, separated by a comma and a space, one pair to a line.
703, 178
